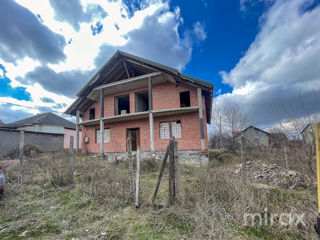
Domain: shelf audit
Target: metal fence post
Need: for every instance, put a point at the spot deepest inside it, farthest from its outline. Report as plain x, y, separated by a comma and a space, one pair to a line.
71, 164
130, 167
285, 149
21, 145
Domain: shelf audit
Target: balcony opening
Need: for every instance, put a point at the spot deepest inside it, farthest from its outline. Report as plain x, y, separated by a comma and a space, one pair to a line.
142, 101
185, 99
92, 113
122, 105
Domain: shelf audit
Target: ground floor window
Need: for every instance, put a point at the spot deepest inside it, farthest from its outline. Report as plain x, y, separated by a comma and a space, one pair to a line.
106, 135
170, 128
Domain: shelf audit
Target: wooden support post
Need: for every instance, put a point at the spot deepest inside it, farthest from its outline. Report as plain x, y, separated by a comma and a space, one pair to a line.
164, 162
176, 163
285, 149
21, 145
71, 163
101, 122
151, 128
125, 66
138, 177
201, 118
243, 151
130, 160
77, 131
172, 185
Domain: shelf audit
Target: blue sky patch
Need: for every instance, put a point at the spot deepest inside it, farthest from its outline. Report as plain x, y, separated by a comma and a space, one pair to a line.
98, 28
6, 90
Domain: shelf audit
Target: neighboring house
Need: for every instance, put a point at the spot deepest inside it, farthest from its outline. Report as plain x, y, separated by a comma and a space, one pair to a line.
132, 96
46, 123
254, 137
308, 134
257, 137
1, 123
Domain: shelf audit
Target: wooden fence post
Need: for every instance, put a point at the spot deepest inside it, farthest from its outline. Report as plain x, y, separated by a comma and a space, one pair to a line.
21, 145
71, 163
176, 163
285, 149
172, 185
138, 177
243, 152
130, 168
161, 173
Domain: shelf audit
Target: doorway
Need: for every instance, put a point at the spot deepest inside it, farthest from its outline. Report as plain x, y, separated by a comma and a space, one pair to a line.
134, 134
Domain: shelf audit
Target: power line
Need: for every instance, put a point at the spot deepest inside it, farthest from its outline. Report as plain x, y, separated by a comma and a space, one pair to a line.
50, 110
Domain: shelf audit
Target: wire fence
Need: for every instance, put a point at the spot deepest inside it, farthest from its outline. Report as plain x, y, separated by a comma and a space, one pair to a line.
94, 175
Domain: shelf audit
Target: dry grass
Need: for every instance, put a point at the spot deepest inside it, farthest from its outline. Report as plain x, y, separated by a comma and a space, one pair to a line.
211, 202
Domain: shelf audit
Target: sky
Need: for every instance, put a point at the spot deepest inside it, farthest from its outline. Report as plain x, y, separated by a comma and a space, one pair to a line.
262, 55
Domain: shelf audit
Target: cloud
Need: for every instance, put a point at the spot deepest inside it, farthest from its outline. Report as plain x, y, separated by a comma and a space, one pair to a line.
282, 65
247, 5
9, 114
66, 83
199, 31
47, 100
23, 35
52, 71
157, 39
71, 11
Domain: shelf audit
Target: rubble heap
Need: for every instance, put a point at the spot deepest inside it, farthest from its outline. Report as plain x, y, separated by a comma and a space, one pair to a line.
275, 175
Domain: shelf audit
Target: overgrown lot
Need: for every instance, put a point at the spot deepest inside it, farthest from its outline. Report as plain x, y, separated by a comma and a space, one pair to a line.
212, 200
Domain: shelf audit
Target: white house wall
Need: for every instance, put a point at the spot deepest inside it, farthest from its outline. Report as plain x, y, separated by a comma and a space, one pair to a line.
44, 128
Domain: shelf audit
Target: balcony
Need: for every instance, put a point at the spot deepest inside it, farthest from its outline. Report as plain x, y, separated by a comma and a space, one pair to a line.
141, 115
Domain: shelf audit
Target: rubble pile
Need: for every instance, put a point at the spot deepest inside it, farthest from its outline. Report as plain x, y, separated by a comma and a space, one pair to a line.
275, 175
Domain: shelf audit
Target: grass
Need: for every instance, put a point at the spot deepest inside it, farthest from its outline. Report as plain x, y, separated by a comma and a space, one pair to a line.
211, 203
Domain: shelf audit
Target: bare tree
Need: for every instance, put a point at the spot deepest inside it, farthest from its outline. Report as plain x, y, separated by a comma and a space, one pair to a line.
227, 120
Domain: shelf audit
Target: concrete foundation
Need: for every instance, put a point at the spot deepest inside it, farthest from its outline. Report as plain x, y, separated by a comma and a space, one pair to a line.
194, 157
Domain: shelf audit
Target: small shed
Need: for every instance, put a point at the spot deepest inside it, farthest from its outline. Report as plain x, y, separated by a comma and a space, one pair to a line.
254, 137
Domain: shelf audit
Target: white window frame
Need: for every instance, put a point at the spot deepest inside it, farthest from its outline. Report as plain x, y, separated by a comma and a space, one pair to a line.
106, 135
175, 129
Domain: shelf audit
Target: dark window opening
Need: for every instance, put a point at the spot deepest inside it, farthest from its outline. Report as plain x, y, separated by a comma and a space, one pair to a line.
142, 101
122, 105
185, 99
92, 113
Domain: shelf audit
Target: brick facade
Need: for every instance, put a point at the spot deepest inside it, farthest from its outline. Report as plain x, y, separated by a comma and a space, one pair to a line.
165, 96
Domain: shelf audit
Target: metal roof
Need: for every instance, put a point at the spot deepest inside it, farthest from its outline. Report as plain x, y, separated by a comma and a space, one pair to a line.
44, 119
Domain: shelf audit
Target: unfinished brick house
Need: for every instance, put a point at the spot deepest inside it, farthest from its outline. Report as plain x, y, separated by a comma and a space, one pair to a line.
150, 102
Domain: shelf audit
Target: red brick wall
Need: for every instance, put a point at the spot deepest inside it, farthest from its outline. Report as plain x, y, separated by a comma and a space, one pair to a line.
165, 96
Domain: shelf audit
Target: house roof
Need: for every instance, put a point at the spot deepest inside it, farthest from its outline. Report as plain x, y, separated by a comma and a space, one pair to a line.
122, 66
258, 129
44, 118
306, 127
